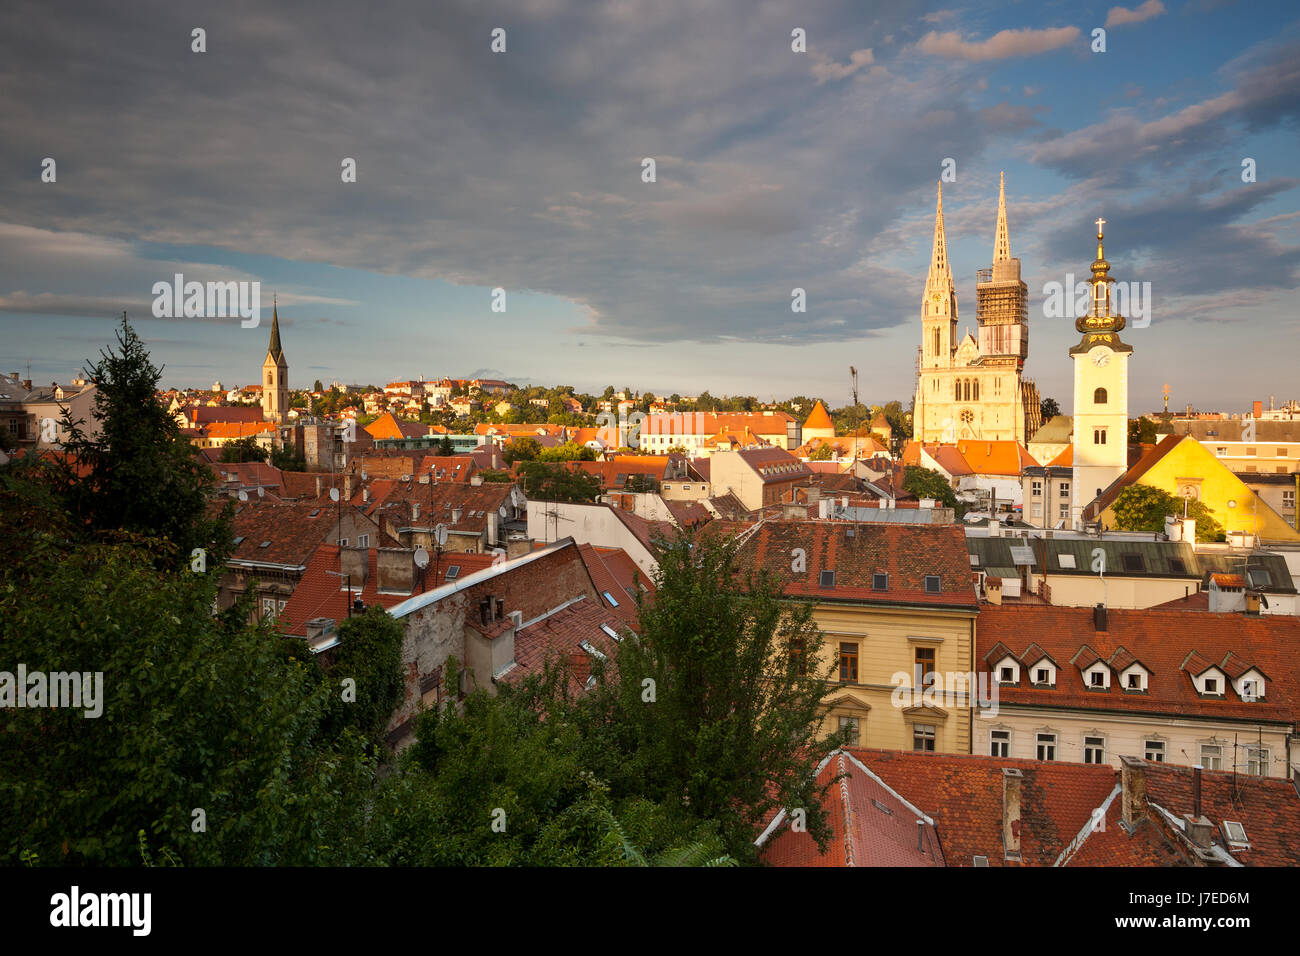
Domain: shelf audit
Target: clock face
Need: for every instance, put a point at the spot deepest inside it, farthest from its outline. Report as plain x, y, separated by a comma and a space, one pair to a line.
1101, 357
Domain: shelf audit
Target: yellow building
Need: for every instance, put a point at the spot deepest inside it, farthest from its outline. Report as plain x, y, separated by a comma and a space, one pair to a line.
1185, 468
897, 607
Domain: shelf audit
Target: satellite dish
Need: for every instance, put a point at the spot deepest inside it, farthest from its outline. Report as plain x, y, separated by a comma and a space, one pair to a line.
334, 494
440, 534
421, 558
243, 496
261, 492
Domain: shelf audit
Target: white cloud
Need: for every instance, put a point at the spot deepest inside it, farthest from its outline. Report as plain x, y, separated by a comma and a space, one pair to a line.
824, 68
1121, 16
1001, 46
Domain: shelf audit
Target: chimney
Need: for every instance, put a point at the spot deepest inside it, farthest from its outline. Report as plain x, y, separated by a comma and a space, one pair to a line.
1011, 779
476, 480
319, 628
365, 495
1199, 830
347, 487
395, 570
353, 564
456, 514
1099, 617
492, 529
1133, 789
415, 511
319, 487
1258, 409
1196, 790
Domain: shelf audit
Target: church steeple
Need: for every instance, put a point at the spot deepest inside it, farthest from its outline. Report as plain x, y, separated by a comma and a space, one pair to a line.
274, 350
1002, 244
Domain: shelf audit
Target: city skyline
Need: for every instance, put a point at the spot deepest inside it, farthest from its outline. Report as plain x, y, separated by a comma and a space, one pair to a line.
775, 169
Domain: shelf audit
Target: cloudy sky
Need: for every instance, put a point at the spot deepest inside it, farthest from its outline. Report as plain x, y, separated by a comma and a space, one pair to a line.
775, 169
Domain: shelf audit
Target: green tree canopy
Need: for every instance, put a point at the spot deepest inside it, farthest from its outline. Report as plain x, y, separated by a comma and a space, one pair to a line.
1144, 508
927, 483
1049, 408
243, 449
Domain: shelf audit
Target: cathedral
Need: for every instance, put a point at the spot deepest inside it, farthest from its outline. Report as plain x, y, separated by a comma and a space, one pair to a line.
969, 388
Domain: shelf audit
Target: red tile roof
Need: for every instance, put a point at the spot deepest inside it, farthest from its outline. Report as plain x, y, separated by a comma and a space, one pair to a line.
907, 553
278, 533
1171, 644
321, 593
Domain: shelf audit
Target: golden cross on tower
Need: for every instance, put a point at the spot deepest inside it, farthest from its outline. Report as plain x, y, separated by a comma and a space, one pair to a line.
1100, 223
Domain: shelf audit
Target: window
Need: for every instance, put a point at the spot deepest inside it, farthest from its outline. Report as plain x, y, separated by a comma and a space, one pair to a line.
1099, 436
880, 582
1211, 685
1154, 750
453, 572
923, 737
1065, 560
1037, 510
849, 661
363, 541
268, 607
851, 725
1250, 451
976, 387
797, 647
1134, 681
957, 390
1005, 675
1038, 488
1000, 743
1094, 750
1063, 511
1235, 832
923, 666
1249, 690
827, 579
932, 584
1212, 756
610, 598
343, 542
1257, 761
1132, 562
1042, 676
1099, 397
1046, 746
1097, 679
1065, 489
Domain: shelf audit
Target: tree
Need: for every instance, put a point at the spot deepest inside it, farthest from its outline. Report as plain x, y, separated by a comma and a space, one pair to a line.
731, 729
243, 449
822, 452
206, 733
288, 459
370, 654
927, 483
639, 484
445, 447
1141, 431
558, 482
1144, 508
524, 448
1048, 409
139, 475
317, 386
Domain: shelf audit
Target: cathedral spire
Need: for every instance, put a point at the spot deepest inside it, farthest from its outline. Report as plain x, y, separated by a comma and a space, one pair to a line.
1002, 244
940, 276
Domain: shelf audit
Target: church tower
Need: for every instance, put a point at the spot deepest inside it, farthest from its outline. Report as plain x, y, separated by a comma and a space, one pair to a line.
275, 375
931, 416
1100, 392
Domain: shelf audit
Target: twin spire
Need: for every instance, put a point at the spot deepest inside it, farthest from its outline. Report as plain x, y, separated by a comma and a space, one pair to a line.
940, 275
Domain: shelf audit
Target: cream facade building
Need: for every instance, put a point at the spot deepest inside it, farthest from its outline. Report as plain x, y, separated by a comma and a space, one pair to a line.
974, 388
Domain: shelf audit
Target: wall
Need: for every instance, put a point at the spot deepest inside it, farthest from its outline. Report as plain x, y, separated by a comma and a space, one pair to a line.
588, 524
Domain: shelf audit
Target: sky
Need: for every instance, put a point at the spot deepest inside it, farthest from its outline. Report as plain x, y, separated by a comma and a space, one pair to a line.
523, 170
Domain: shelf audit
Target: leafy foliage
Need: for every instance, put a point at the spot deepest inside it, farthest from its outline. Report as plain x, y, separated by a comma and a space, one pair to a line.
1049, 408
926, 483
1144, 508
243, 449
370, 653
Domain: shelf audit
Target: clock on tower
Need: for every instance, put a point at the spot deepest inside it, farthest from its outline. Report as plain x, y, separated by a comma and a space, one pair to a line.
1100, 393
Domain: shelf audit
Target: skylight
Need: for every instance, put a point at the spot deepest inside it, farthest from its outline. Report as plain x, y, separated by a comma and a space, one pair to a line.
453, 572
610, 631
827, 579
1066, 560
610, 598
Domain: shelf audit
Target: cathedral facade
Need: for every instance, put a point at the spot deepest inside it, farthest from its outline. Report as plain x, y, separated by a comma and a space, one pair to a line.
969, 388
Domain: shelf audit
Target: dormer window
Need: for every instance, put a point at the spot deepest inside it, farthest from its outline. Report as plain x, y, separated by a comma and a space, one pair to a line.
880, 582
932, 584
1250, 686
1134, 679
1210, 685
1096, 679
1044, 676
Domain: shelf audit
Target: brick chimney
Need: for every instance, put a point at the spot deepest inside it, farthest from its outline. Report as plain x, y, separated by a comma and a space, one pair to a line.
352, 562
1133, 790
1257, 409
1011, 780
1099, 617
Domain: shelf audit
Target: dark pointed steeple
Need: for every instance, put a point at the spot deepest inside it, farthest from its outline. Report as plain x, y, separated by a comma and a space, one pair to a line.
275, 350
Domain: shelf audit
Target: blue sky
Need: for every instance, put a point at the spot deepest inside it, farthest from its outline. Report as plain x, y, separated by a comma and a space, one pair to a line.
775, 169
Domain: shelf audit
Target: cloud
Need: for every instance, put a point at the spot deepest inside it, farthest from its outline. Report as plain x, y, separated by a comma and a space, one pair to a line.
1120, 16
1001, 46
824, 68
1006, 117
